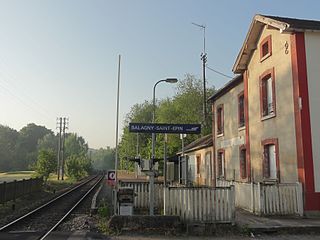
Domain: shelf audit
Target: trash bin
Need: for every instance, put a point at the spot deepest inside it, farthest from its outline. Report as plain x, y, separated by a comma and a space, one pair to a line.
125, 200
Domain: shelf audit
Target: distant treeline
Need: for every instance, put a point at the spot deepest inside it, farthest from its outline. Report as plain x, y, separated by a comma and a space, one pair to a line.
19, 149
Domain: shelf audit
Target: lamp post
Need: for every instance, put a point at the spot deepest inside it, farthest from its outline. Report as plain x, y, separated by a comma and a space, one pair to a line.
151, 177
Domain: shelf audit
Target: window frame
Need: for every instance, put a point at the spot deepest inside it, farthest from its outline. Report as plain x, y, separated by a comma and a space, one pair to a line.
266, 40
241, 148
262, 79
223, 164
264, 143
241, 125
220, 131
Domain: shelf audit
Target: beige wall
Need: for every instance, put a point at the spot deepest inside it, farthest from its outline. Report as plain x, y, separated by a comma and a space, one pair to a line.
282, 126
233, 137
312, 42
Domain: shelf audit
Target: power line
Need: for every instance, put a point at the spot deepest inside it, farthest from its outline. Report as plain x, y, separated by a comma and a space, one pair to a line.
220, 73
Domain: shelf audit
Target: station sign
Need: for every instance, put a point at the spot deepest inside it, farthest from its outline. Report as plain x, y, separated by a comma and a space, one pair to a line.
165, 128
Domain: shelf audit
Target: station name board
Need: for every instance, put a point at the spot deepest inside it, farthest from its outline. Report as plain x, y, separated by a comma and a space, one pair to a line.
165, 128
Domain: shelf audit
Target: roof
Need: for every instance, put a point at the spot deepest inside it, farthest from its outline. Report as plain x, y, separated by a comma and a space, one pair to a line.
284, 24
228, 86
200, 143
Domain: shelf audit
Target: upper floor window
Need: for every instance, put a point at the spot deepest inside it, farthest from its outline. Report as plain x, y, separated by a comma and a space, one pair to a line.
270, 159
220, 119
220, 164
241, 118
265, 48
243, 162
267, 94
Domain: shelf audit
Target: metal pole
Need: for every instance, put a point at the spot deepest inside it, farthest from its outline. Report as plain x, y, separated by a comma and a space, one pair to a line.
151, 177
117, 145
165, 160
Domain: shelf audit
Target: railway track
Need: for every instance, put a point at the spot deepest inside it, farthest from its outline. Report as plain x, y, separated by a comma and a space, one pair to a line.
49, 216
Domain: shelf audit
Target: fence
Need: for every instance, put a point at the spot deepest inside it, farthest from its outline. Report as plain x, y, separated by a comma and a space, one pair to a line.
268, 199
141, 189
12, 190
201, 204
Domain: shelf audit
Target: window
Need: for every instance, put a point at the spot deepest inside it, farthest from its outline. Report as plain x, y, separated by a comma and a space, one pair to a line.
270, 159
265, 48
243, 162
220, 164
267, 94
241, 110
198, 164
220, 119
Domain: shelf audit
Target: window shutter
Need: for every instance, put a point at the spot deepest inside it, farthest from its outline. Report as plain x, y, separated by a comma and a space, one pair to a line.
219, 164
218, 121
243, 163
264, 97
266, 163
222, 118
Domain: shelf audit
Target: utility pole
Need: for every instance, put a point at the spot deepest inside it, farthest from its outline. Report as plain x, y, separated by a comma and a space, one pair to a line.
59, 126
65, 126
204, 61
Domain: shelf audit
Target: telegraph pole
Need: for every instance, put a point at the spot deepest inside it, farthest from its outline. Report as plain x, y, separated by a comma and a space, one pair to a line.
204, 61
65, 126
59, 126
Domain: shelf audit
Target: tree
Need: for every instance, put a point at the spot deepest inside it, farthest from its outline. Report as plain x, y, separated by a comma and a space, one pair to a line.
78, 166
102, 159
8, 139
75, 145
48, 141
46, 163
27, 144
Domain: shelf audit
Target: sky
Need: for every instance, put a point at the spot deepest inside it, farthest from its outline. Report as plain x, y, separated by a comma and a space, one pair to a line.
59, 58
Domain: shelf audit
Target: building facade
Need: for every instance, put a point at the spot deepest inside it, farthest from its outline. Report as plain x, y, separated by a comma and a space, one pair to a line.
265, 120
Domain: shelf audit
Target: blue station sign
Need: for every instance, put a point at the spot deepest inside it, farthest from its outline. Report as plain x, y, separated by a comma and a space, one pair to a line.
164, 128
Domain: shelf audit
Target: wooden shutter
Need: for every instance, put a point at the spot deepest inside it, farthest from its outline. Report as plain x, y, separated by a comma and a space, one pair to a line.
266, 163
243, 165
241, 110
219, 164
264, 97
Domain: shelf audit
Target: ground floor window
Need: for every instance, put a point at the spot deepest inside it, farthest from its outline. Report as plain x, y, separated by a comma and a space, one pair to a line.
243, 162
220, 164
270, 159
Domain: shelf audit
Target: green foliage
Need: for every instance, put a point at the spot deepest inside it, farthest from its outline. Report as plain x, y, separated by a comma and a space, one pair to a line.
102, 159
78, 166
46, 163
75, 145
48, 141
186, 106
8, 139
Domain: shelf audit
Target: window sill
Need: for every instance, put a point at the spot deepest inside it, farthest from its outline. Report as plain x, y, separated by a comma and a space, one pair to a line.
270, 181
265, 57
268, 117
220, 135
241, 128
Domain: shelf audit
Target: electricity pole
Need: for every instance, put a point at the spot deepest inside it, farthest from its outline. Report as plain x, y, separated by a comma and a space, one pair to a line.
65, 126
204, 61
59, 126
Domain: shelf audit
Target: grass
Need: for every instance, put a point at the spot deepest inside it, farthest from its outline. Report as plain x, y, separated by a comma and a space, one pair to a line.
17, 175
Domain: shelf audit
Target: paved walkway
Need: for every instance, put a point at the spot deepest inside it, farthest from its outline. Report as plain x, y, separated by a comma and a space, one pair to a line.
269, 224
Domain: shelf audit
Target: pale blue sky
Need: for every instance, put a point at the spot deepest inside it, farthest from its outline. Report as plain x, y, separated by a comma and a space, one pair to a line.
59, 58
